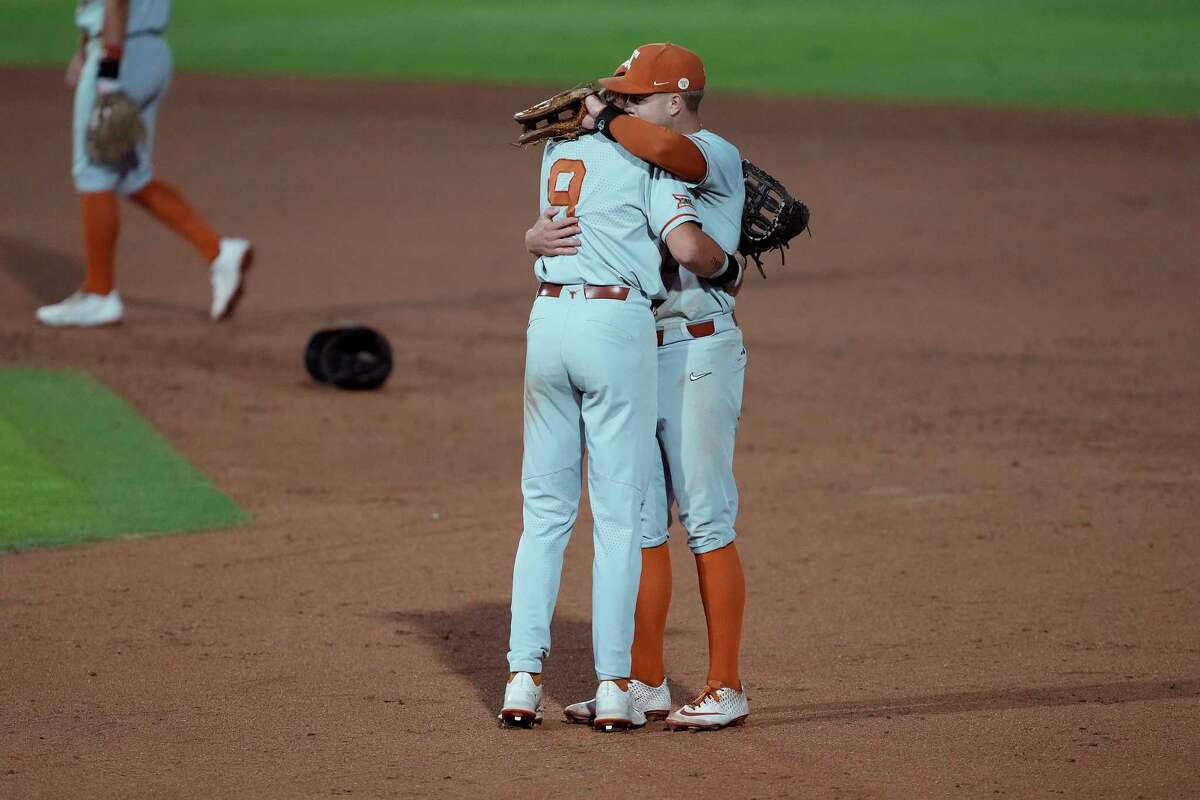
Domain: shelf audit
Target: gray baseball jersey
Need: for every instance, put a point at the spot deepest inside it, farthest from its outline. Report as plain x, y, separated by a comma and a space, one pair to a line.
719, 199
144, 16
625, 208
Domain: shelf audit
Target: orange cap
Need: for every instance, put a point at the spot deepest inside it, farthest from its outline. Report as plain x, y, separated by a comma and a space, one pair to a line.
655, 68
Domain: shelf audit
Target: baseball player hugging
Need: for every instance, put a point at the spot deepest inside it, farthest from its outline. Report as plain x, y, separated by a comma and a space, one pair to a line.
701, 365
122, 69
590, 375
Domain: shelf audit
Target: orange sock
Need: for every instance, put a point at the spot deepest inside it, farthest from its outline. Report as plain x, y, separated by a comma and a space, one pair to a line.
101, 222
723, 590
169, 206
650, 619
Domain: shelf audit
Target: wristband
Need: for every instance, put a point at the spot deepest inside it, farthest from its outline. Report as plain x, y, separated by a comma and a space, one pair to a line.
605, 118
110, 68
729, 274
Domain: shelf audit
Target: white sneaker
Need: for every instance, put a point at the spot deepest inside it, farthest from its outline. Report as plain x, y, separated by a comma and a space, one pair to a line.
615, 710
653, 701
84, 309
523, 705
229, 276
712, 710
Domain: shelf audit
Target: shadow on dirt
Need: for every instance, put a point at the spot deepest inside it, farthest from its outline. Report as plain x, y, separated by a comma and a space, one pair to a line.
1103, 694
473, 642
49, 275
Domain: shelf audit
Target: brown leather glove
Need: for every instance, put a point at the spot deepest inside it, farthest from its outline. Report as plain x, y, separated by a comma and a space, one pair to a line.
114, 130
557, 117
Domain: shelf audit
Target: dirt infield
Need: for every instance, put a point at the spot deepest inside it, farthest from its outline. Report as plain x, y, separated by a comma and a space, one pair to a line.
970, 464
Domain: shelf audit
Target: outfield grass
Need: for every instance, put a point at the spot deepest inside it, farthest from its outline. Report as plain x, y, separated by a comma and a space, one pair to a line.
1122, 55
77, 464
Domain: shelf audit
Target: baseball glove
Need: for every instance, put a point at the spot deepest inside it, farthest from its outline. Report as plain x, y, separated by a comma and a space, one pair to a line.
771, 217
114, 130
557, 117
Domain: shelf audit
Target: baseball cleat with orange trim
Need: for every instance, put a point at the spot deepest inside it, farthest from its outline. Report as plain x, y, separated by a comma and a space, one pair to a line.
523, 705
653, 701
712, 710
615, 710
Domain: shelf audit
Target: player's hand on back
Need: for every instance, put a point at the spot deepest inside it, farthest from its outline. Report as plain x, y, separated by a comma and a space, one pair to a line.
548, 237
74, 68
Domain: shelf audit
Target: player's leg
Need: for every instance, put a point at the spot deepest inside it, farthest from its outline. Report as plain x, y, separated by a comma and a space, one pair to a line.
168, 205
654, 588
101, 218
550, 484
651, 696
654, 591
700, 457
707, 492
700, 444
723, 592
148, 62
229, 259
146, 73
96, 303
648, 685
615, 368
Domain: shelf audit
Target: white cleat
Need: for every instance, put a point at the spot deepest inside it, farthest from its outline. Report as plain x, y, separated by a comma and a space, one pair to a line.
712, 710
523, 705
84, 310
229, 276
653, 701
615, 710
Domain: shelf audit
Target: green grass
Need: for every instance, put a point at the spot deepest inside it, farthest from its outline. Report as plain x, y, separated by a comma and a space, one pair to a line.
1122, 55
78, 464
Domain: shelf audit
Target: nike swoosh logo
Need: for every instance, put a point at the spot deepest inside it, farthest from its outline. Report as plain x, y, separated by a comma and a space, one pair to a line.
661, 83
694, 377
685, 713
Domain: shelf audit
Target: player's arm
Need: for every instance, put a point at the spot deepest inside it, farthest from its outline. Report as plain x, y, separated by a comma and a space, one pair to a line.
112, 36
671, 211
75, 65
673, 152
116, 22
548, 237
697, 252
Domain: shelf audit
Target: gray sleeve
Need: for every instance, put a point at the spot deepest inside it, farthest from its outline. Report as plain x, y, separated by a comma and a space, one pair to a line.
724, 177
669, 203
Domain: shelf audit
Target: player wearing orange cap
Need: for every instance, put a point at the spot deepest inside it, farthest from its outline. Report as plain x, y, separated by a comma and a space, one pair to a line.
701, 364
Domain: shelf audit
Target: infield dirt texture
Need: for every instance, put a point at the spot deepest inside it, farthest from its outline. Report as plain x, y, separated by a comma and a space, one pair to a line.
968, 462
